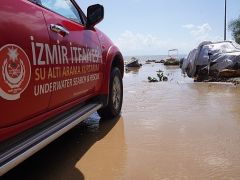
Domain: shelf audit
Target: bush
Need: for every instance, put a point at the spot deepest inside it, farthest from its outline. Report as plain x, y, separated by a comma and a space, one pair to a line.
234, 26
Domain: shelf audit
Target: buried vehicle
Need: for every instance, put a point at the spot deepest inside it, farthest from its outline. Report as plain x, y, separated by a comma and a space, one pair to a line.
212, 60
56, 69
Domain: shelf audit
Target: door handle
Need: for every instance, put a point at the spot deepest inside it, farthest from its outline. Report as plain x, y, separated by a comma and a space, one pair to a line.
59, 29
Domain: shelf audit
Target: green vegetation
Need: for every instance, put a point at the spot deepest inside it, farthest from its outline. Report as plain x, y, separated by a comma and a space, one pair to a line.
171, 62
235, 28
160, 75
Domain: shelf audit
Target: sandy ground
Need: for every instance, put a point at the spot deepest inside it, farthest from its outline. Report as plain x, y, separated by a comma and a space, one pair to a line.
168, 130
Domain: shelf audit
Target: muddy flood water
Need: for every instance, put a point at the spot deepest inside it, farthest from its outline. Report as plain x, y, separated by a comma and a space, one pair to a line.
168, 130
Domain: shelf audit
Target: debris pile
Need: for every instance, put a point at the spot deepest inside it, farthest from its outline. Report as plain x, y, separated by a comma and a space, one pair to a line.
161, 61
213, 62
150, 61
171, 62
134, 62
161, 77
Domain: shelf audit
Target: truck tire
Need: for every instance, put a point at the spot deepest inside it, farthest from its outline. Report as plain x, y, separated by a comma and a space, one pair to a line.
115, 97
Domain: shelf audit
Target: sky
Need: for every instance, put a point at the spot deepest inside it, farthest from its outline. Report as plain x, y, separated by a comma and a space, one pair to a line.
152, 27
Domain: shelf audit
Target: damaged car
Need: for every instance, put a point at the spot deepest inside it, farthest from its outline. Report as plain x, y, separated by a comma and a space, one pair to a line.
212, 60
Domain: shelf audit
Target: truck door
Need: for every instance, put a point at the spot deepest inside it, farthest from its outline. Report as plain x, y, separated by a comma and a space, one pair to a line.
75, 68
22, 34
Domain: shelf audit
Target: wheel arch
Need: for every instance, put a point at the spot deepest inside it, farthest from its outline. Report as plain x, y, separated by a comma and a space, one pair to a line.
114, 58
118, 62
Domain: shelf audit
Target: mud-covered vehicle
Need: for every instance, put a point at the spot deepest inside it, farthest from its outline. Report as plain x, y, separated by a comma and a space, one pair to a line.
56, 69
214, 60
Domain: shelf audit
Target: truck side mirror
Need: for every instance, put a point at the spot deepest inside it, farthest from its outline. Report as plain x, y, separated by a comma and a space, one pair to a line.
95, 14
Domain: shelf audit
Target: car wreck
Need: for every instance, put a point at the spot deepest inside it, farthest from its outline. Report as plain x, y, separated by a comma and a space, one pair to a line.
213, 61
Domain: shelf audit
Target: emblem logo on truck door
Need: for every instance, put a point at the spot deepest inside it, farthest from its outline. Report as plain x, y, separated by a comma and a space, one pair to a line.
15, 71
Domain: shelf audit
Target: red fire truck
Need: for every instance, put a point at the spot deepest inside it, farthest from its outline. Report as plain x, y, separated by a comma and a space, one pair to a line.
56, 69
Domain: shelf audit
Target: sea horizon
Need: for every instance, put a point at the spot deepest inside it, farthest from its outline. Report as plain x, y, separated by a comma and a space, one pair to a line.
151, 57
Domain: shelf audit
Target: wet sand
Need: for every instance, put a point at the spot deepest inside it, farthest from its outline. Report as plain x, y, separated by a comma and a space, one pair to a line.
168, 130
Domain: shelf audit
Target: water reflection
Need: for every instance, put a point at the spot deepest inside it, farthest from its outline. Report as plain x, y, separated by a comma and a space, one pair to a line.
171, 67
107, 158
71, 156
133, 70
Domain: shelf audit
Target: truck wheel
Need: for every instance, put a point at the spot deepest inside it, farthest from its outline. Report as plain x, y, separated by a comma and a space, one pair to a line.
115, 98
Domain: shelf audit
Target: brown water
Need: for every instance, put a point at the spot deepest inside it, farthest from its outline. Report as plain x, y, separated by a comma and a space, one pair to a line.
168, 130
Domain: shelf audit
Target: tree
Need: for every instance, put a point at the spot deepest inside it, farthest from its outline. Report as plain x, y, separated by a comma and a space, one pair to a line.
234, 26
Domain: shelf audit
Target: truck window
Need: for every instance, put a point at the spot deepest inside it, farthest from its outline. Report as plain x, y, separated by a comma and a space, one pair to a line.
64, 8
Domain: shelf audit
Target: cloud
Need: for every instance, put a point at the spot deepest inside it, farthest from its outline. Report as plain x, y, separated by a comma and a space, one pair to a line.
201, 32
198, 30
62, 5
135, 43
188, 26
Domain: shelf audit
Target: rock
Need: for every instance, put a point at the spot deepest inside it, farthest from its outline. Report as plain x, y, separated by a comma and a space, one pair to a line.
134, 63
161, 61
150, 61
165, 78
150, 79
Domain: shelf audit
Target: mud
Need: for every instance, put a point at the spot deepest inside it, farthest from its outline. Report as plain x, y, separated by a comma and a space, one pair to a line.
168, 130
